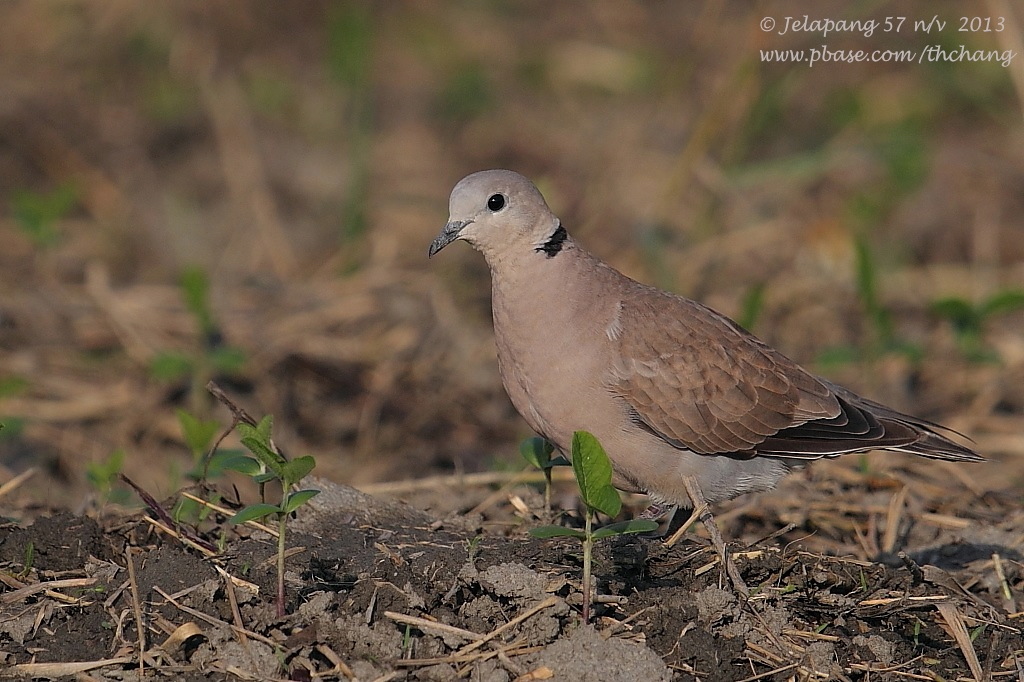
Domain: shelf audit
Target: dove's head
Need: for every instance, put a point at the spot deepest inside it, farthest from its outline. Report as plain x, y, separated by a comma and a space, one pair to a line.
498, 212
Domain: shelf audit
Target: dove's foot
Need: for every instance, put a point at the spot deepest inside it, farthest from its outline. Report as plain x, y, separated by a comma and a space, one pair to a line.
699, 503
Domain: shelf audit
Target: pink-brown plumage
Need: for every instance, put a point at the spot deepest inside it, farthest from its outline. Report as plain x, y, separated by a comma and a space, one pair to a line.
670, 387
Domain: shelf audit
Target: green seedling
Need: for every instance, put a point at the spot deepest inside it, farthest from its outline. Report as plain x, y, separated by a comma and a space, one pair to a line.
593, 472
969, 320
350, 43
267, 464
12, 427
11, 386
37, 214
883, 338
28, 561
867, 290
214, 356
473, 546
537, 451
199, 435
103, 476
751, 306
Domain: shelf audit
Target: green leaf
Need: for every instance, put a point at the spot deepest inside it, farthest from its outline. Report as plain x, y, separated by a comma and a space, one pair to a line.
238, 462
265, 477
1003, 302
262, 430
186, 510
11, 427
270, 459
838, 356
350, 31
265, 427
102, 475
195, 288
170, 366
867, 289
297, 469
247, 431
254, 511
962, 315
750, 308
626, 527
228, 359
198, 433
215, 498
544, 532
10, 386
982, 355
297, 499
537, 451
911, 351
37, 214
593, 472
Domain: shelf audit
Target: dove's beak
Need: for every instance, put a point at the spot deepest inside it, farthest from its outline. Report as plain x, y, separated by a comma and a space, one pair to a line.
449, 234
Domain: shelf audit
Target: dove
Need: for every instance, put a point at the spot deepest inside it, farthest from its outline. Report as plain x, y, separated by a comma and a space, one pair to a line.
690, 407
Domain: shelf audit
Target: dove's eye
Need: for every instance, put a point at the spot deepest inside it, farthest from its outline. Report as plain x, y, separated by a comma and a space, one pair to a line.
496, 202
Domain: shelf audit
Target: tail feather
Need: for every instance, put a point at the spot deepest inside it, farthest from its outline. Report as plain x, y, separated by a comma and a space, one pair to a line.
865, 425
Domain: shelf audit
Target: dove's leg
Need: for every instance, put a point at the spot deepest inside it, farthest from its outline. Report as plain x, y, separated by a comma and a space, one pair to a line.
697, 498
663, 513
660, 510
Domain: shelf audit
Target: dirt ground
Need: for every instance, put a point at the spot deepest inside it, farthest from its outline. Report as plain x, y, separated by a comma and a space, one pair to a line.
865, 217
380, 591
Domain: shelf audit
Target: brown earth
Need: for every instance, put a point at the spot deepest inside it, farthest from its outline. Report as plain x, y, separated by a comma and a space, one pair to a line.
359, 568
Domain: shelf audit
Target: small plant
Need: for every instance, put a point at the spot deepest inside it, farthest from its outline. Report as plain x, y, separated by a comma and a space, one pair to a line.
473, 546
969, 320
751, 306
198, 435
537, 451
37, 214
267, 464
593, 472
8, 387
350, 37
883, 339
103, 476
28, 560
215, 357
867, 290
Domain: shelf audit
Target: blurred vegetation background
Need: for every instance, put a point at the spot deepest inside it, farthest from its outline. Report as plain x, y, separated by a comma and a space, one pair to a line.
246, 191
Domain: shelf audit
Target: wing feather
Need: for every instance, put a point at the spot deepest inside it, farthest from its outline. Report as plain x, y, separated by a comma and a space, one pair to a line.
702, 383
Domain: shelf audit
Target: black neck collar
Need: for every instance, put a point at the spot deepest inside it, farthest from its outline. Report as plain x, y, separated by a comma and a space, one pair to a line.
555, 242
